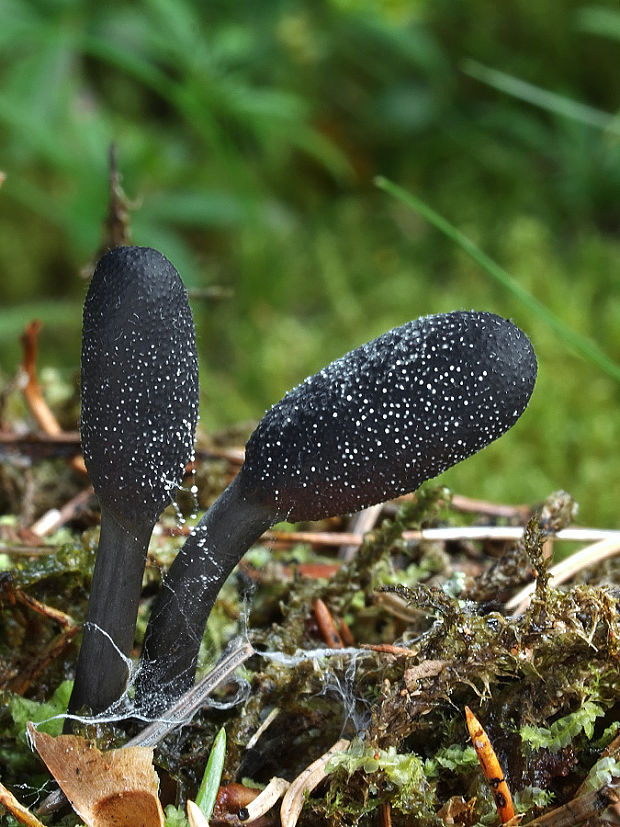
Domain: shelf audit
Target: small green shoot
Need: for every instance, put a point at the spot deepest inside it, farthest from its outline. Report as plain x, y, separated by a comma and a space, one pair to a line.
207, 792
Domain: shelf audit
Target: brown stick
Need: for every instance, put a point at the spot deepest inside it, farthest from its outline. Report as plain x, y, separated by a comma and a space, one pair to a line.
26, 441
385, 814
32, 389
326, 624
53, 519
23, 815
24, 680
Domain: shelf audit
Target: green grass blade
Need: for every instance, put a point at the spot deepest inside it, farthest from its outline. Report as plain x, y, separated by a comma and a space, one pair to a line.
600, 21
582, 345
210, 783
542, 98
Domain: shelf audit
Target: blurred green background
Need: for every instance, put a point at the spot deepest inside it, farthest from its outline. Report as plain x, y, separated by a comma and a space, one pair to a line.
249, 134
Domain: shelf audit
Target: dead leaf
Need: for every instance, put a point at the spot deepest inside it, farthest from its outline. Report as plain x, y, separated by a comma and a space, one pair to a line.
115, 788
458, 811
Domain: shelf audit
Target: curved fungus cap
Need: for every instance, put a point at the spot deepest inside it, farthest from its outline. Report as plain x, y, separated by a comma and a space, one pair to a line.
139, 382
378, 422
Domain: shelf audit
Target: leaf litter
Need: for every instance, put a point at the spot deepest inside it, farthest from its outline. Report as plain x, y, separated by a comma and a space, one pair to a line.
545, 683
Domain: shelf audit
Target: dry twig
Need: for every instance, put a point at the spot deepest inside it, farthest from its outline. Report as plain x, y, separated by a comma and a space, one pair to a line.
326, 625
305, 782
565, 569
24, 816
276, 788
32, 389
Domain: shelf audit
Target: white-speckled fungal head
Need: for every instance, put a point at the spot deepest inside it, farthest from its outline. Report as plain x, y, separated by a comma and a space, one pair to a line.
389, 415
139, 382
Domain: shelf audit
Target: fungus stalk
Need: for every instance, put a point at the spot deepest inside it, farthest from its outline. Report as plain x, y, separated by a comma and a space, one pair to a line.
228, 529
102, 667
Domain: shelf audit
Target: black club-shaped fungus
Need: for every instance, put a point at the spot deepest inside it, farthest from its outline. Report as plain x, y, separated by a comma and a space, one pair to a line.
139, 410
391, 414
372, 425
139, 382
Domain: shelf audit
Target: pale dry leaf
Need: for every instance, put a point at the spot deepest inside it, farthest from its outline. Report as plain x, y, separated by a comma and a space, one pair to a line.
195, 816
115, 788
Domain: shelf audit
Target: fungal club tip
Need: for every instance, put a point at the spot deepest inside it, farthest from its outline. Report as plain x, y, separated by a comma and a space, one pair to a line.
391, 414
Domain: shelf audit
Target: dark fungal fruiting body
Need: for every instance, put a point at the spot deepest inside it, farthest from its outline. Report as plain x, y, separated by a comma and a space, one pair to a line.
391, 414
139, 410
139, 382
370, 426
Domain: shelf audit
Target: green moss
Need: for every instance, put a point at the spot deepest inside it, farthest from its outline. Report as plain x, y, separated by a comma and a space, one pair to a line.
387, 775
563, 731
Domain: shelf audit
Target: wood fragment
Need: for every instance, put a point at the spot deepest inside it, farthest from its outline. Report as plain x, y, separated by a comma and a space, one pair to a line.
24, 441
305, 782
235, 456
313, 571
580, 810
469, 505
390, 649
385, 814
284, 539
53, 519
360, 524
17, 595
397, 606
31, 389
266, 799
27, 550
451, 534
263, 727
326, 625
490, 767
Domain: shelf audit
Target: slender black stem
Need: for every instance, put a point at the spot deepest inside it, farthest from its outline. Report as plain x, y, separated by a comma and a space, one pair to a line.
111, 617
187, 595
